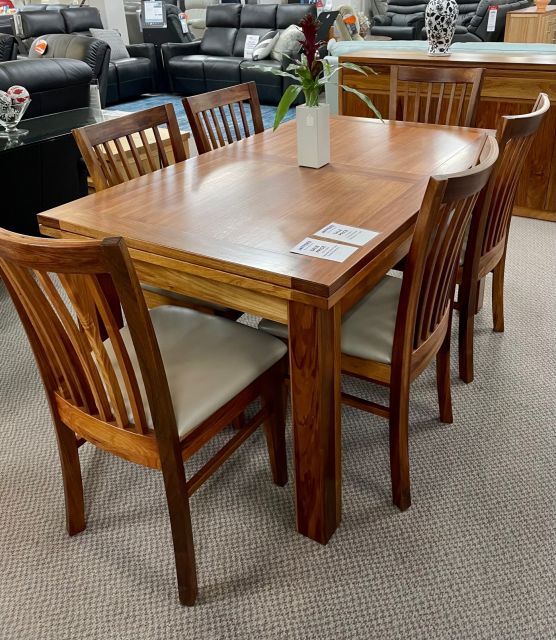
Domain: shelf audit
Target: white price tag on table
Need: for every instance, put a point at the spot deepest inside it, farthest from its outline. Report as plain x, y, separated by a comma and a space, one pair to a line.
324, 250
492, 13
345, 233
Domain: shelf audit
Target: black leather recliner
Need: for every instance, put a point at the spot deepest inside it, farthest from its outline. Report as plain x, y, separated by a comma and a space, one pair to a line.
404, 20
473, 27
216, 61
54, 85
95, 53
124, 79
8, 47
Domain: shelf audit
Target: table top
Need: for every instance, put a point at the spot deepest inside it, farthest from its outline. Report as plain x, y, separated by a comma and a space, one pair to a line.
241, 209
512, 59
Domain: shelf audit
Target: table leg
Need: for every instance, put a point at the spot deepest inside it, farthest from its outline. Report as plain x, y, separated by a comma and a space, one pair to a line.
314, 338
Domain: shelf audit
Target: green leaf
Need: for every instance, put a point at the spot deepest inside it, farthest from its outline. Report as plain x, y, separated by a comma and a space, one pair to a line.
273, 70
364, 98
356, 67
290, 94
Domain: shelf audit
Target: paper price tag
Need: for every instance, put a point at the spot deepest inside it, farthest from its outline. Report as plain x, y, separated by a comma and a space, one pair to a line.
345, 233
492, 13
183, 21
250, 44
323, 249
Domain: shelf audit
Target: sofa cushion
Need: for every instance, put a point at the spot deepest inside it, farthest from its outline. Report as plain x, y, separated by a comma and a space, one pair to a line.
265, 45
218, 41
222, 72
81, 19
188, 74
38, 23
269, 85
260, 16
114, 39
288, 43
224, 15
242, 33
287, 14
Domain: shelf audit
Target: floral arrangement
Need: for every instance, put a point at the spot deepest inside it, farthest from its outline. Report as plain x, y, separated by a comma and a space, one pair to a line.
311, 73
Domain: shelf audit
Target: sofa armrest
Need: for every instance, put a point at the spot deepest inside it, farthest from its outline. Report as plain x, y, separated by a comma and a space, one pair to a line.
172, 49
382, 21
142, 50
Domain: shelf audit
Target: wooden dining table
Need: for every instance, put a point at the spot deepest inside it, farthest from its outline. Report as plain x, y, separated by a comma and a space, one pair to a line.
221, 227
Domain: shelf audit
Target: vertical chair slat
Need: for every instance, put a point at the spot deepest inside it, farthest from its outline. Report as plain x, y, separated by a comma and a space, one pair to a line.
122, 157
217, 128
224, 119
244, 119
112, 163
163, 158
147, 150
135, 154
234, 121
209, 130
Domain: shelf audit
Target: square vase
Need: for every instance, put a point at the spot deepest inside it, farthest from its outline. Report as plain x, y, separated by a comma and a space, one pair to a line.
313, 135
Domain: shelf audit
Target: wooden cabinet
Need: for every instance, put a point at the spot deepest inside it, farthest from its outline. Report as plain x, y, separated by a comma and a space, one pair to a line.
530, 25
511, 85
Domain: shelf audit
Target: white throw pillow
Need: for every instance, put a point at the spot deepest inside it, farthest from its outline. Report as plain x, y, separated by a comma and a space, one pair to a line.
118, 49
288, 43
265, 45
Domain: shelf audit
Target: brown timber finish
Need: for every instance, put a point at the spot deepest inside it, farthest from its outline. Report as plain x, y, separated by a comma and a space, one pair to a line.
220, 227
510, 87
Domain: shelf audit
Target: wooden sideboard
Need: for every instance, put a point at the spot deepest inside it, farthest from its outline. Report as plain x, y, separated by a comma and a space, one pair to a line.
511, 85
530, 25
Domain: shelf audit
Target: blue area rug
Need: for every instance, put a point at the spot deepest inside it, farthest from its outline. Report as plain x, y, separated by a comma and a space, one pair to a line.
268, 112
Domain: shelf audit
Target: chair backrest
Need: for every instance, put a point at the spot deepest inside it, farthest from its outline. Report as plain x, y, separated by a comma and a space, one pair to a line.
489, 231
70, 296
430, 273
435, 95
213, 125
124, 148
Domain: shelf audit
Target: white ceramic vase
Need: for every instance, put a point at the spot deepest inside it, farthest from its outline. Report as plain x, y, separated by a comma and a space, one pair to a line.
440, 22
313, 135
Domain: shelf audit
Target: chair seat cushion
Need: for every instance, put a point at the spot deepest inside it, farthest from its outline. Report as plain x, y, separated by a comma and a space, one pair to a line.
368, 327
208, 360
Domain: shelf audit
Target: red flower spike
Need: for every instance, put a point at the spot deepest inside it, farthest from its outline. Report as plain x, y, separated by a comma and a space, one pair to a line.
309, 26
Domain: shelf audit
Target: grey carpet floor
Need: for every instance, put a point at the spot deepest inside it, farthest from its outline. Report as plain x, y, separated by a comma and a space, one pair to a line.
474, 557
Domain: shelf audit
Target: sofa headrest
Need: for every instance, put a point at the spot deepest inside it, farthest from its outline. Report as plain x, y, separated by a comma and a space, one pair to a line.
32, 7
82, 19
89, 50
261, 16
44, 75
37, 23
406, 7
288, 14
223, 15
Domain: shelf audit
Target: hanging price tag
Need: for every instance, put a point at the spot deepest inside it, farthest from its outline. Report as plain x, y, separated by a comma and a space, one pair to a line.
492, 13
183, 22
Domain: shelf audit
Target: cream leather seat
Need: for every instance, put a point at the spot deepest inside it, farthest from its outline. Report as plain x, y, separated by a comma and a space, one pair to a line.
208, 360
368, 327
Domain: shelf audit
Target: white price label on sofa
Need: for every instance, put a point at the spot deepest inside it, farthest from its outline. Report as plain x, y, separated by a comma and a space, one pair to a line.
492, 13
250, 44
324, 250
345, 233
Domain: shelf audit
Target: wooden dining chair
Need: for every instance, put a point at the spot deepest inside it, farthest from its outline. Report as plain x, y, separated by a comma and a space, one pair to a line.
435, 95
393, 333
486, 244
125, 148
215, 116
153, 391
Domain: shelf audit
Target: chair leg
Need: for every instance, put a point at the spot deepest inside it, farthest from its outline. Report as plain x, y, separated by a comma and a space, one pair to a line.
443, 381
465, 342
274, 397
498, 295
180, 520
399, 445
71, 473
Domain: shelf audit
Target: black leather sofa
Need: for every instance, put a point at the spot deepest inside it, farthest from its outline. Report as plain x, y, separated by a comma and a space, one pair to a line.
216, 61
404, 20
118, 80
54, 85
8, 47
473, 20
